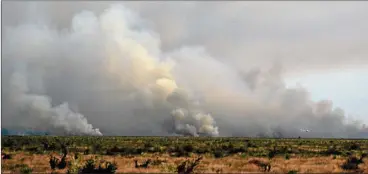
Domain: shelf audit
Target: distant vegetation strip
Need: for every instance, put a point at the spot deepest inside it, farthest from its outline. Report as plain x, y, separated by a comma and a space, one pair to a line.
185, 146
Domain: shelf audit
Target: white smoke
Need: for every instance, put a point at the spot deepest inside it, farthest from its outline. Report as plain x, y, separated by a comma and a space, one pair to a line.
194, 124
37, 109
111, 68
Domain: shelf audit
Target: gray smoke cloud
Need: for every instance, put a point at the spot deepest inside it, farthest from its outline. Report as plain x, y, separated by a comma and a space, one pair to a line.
323, 35
31, 110
105, 64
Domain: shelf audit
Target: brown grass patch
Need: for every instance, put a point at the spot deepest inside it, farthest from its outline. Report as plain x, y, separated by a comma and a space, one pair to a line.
230, 164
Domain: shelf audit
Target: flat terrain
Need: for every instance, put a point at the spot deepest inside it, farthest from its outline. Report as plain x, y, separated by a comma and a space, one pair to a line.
166, 154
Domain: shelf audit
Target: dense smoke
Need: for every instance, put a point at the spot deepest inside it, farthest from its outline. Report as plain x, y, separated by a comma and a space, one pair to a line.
36, 110
110, 68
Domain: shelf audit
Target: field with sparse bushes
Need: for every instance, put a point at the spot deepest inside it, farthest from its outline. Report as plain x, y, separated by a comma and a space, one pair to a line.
35, 154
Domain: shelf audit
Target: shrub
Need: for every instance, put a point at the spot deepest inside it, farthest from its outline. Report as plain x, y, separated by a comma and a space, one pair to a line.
218, 154
148, 145
87, 151
265, 166
7, 156
76, 156
157, 162
89, 167
104, 167
352, 163
248, 143
332, 151
143, 165
292, 172
62, 163
179, 151
137, 151
287, 156
110, 168
114, 150
53, 162
201, 150
73, 168
237, 150
187, 167
353, 146
26, 169
188, 148
271, 154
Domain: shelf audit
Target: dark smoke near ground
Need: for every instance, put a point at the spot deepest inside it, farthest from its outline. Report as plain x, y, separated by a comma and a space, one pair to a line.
106, 74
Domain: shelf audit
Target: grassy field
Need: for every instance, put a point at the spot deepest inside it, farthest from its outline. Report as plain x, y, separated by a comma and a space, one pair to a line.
37, 154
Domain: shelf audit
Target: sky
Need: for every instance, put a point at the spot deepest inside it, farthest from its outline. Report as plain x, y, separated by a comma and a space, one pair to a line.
344, 88
236, 55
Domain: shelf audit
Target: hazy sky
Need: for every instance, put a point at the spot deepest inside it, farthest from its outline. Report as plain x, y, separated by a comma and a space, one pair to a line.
347, 89
321, 45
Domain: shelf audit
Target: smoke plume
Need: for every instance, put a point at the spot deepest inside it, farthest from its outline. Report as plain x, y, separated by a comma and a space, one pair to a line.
36, 110
109, 69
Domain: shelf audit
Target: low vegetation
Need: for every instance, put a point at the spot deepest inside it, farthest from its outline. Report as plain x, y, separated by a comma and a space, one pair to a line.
264, 166
353, 162
26, 154
103, 167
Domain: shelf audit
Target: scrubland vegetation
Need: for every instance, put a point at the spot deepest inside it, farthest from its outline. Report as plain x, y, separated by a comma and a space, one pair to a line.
27, 154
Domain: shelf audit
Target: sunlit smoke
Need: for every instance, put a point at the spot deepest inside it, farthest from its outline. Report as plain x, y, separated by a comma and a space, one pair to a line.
111, 68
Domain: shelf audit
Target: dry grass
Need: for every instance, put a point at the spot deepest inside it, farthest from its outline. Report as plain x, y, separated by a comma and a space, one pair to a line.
230, 164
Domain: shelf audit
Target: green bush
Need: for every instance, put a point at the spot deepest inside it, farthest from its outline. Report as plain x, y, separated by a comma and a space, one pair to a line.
332, 151
26, 170
89, 167
352, 163
352, 146
56, 163
287, 156
73, 168
218, 154
188, 148
105, 167
271, 154
292, 172
235, 150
